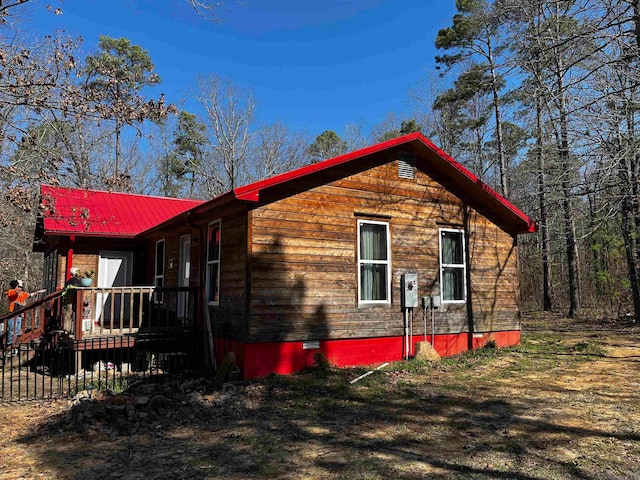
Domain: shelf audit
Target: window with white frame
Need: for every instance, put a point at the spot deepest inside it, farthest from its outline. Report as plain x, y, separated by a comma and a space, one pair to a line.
213, 263
452, 265
374, 262
159, 270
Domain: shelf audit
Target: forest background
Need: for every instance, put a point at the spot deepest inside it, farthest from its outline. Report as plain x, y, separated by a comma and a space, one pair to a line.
540, 99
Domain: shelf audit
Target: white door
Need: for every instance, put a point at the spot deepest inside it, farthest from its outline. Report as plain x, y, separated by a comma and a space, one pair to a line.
115, 269
184, 271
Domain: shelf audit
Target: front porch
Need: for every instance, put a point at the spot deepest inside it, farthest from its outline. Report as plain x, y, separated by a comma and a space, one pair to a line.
74, 337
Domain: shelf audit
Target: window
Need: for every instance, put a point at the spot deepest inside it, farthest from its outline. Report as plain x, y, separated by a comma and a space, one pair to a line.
159, 270
51, 270
374, 262
452, 265
213, 263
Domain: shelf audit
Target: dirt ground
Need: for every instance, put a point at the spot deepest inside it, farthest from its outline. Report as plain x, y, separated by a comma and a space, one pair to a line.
563, 405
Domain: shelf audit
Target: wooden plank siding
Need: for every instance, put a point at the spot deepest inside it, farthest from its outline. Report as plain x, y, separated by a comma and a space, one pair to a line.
228, 319
303, 249
494, 273
86, 255
171, 254
82, 261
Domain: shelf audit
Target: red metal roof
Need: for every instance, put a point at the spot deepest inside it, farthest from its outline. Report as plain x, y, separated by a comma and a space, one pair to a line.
70, 211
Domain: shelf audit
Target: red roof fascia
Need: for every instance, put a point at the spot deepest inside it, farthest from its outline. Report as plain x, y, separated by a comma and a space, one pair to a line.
71, 211
532, 226
252, 191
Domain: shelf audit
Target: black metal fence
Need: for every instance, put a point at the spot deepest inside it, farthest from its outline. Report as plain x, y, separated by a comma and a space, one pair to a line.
58, 366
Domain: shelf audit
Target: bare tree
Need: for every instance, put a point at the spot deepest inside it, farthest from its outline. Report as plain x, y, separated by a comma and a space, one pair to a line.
276, 150
208, 10
355, 136
229, 118
439, 124
614, 127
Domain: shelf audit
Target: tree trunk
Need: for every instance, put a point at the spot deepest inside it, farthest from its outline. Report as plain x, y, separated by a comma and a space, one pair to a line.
565, 172
629, 209
628, 235
502, 162
117, 169
629, 184
544, 234
567, 213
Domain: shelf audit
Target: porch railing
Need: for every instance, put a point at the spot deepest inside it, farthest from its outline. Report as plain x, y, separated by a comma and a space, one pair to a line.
126, 310
92, 312
30, 321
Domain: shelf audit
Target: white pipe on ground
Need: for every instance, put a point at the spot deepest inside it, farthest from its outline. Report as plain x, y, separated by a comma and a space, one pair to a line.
368, 373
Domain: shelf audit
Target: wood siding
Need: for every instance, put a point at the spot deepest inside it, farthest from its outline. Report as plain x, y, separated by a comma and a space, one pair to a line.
228, 319
303, 257
494, 274
86, 255
81, 261
171, 255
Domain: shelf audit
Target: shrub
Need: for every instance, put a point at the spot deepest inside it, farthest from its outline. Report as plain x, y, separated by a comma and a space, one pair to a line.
321, 363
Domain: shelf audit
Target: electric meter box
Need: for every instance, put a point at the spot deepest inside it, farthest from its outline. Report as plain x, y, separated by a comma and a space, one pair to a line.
435, 301
409, 290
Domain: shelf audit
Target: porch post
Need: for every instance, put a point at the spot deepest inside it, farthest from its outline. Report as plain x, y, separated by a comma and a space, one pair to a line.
67, 275
77, 313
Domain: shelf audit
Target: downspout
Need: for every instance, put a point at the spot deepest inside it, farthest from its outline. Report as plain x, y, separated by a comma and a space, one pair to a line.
247, 281
467, 259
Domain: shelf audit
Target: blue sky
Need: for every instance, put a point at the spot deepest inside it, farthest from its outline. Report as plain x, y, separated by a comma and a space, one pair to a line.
313, 65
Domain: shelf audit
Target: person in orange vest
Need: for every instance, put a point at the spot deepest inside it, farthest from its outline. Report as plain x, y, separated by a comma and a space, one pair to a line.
17, 299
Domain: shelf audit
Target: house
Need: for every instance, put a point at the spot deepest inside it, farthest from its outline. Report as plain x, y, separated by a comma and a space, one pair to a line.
343, 257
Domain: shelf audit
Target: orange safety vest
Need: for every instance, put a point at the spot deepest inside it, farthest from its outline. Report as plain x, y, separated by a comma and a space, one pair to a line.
16, 298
